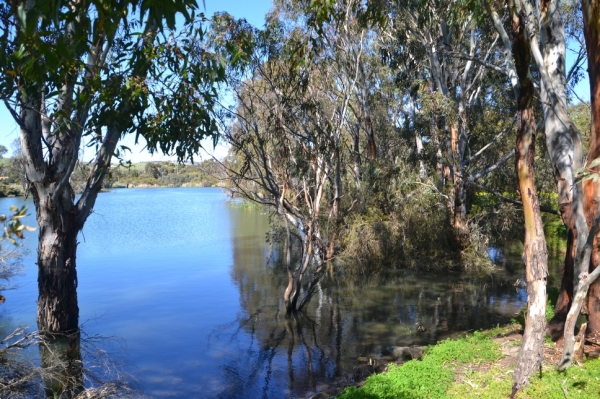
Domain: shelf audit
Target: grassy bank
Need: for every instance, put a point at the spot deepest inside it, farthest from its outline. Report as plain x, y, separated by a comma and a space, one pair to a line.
480, 365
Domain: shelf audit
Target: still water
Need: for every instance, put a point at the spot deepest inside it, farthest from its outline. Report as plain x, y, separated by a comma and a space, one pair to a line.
183, 286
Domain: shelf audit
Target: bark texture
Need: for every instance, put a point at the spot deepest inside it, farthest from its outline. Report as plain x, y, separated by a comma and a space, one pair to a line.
59, 217
562, 141
535, 254
57, 275
556, 326
591, 31
581, 279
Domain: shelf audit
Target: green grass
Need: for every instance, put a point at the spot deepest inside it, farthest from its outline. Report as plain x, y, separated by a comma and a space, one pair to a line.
434, 376
494, 383
578, 382
431, 377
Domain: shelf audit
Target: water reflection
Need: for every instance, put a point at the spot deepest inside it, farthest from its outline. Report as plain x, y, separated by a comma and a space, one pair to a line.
349, 318
62, 365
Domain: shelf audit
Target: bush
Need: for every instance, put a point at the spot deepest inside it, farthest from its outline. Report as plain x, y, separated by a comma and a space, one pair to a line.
9, 190
418, 235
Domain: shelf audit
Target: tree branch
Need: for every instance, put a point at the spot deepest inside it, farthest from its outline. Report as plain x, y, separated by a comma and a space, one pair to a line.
510, 200
493, 167
478, 60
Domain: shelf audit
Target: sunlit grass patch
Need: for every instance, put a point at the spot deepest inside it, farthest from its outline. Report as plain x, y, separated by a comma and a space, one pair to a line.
432, 376
493, 383
577, 382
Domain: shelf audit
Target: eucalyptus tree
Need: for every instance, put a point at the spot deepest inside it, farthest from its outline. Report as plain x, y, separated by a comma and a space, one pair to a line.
451, 62
588, 246
298, 110
546, 28
535, 254
563, 139
544, 45
591, 32
89, 72
275, 162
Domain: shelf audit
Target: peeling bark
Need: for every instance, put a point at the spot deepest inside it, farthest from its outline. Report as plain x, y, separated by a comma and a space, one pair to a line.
581, 279
535, 254
563, 145
591, 32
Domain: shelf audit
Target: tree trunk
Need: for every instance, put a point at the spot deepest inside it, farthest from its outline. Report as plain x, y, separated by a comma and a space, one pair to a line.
335, 202
419, 151
59, 218
560, 143
588, 248
356, 156
581, 278
56, 215
591, 31
57, 276
367, 110
556, 326
459, 145
288, 265
287, 300
460, 209
418, 138
535, 253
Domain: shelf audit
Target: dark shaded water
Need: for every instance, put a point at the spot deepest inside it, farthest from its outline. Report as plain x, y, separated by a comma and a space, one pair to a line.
181, 277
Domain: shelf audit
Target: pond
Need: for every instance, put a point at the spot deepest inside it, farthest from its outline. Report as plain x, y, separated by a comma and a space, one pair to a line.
182, 284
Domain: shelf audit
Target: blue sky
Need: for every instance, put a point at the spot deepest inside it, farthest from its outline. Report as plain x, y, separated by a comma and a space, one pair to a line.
253, 11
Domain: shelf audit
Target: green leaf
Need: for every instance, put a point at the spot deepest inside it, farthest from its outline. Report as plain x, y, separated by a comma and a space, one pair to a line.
588, 177
594, 163
22, 14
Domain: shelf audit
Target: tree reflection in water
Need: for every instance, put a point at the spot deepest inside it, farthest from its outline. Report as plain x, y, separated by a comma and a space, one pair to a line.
61, 364
350, 317
70, 366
